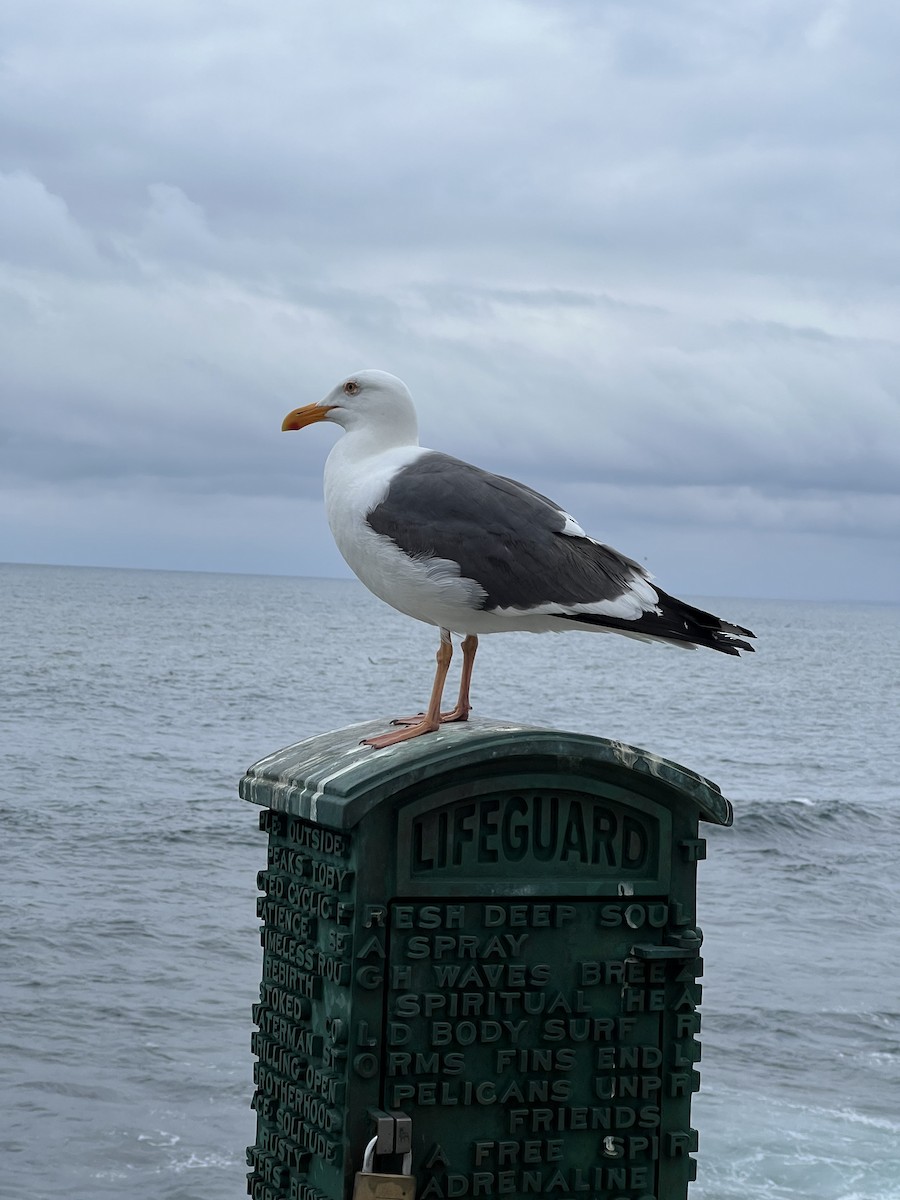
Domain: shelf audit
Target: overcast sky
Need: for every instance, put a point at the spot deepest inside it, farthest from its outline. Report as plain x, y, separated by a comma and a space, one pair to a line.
642, 255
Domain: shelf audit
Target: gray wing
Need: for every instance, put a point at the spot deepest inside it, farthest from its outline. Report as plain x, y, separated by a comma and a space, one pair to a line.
522, 550
507, 537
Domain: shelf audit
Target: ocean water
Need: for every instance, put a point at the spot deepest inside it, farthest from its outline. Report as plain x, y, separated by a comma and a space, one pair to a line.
132, 702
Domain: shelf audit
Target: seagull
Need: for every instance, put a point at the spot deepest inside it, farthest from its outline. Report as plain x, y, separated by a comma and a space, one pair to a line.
471, 552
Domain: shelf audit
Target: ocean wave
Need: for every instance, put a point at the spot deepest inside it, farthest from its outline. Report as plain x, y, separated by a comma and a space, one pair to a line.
805, 815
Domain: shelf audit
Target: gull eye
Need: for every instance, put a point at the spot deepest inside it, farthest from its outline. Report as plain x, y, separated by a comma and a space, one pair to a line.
351, 388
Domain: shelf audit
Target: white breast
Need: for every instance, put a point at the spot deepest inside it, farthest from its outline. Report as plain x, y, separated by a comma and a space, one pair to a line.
430, 590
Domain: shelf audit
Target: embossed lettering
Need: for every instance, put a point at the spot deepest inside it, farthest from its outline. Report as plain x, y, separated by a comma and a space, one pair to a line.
562, 829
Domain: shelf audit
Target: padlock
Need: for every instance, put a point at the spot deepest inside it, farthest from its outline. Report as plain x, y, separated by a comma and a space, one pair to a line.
372, 1185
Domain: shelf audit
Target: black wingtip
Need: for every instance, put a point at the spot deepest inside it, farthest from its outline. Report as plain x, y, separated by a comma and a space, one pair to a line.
677, 622
730, 637
727, 627
729, 644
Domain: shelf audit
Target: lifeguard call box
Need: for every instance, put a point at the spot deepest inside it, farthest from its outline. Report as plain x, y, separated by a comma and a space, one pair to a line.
490, 930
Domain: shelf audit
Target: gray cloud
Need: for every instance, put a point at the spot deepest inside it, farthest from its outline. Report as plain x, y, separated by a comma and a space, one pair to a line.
647, 264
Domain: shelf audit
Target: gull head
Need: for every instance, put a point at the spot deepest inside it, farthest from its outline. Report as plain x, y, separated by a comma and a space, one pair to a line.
365, 400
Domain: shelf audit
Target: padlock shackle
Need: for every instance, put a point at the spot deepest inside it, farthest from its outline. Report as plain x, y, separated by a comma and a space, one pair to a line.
368, 1162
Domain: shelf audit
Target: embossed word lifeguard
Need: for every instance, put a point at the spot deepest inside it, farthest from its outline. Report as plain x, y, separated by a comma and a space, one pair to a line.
540, 833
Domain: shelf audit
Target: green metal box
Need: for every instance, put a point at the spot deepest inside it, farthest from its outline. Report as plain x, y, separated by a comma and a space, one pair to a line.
491, 930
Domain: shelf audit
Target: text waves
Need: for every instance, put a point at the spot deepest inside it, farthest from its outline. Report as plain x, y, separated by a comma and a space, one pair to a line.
575, 1054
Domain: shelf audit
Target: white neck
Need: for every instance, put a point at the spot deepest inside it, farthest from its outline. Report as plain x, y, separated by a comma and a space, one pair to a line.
370, 438
359, 469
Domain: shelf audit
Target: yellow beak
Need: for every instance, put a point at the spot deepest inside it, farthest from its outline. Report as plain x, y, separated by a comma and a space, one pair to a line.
308, 415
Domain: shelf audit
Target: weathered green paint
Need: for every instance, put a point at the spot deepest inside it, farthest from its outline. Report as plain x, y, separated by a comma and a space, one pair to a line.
492, 929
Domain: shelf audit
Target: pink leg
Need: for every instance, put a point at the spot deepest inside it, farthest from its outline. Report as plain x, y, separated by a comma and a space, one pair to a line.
463, 707
430, 720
